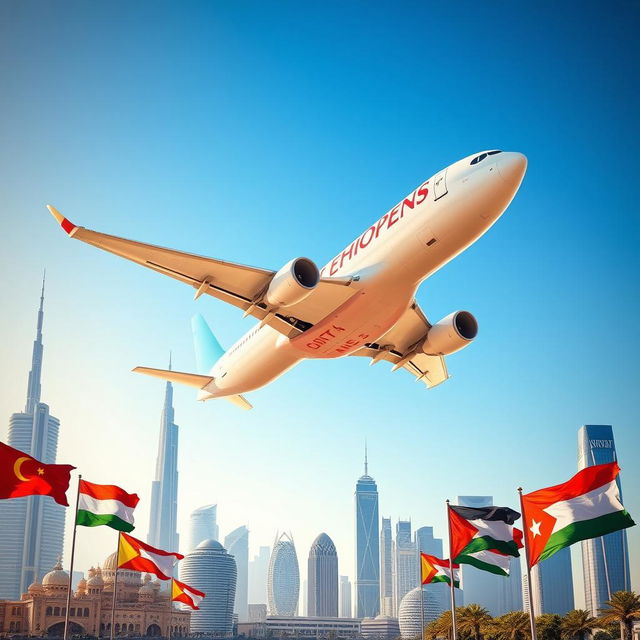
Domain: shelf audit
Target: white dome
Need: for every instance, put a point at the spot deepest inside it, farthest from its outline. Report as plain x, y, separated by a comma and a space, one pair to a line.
409, 615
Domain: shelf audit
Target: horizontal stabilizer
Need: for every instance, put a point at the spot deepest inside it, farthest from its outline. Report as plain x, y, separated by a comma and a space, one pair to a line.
189, 379
240, 401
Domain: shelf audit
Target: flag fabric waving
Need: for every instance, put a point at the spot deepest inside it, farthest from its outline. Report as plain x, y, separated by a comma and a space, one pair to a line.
22, 475
181, 592
435, 570
586, 506
105, 504
136, 555
484, 537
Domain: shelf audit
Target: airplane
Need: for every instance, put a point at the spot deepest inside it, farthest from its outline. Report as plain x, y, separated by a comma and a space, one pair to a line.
361, 303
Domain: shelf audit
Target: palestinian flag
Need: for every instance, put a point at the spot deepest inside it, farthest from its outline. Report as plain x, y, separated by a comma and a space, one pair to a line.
135, 555
484, 537
105, 504
181, 592
587, 506
436, 570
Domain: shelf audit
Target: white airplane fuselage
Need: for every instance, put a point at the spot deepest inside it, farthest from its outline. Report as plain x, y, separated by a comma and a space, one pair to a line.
427, 229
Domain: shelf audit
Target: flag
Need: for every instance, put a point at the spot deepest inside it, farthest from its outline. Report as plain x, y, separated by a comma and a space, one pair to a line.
587, 506
484, 537
21, 475
181, 592
105, 504
436, 570
136, 555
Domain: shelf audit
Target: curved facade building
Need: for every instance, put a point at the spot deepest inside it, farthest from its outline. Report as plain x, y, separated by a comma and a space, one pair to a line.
322, 578
409, 616
202, 525
211, 569
283, 583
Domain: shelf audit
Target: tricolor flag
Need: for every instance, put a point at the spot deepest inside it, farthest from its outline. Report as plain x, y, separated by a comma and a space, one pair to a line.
181, 592
105, 504
136, 555
484, 537
436, 570
587, 506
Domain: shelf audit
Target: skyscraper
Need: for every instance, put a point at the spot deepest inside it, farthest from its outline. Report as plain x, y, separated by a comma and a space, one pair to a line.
555, 582
605, 560
32, 528
258, 575
213, 570
163, 532
427, 543
406, 561
237, 544
202, 525
345, 597
386, 568
367, 546
322, 578
283, 583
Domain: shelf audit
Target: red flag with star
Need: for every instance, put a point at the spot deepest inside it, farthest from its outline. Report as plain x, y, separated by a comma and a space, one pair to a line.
22, 475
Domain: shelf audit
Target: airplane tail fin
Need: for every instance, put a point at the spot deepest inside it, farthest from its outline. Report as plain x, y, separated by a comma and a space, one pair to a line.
208, 349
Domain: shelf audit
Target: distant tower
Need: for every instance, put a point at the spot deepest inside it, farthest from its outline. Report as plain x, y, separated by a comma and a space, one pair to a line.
322, 577
163, 531
367, 546
406, 561
31, 529
202, 525
237, 544
258, 574
605, 560
283, 585
213, 570
345, 597
386, 568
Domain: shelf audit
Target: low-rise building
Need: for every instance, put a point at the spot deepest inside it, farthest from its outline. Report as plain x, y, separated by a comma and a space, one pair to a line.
302, 627
380, 628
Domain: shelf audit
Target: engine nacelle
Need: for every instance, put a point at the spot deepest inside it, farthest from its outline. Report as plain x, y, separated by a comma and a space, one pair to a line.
451, 334
293, 283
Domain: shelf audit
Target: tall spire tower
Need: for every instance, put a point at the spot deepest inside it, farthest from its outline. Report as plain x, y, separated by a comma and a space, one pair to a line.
32, 528
164, 489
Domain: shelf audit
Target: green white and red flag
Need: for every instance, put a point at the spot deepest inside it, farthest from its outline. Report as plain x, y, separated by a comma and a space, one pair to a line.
586, 506
105, 504
436, 570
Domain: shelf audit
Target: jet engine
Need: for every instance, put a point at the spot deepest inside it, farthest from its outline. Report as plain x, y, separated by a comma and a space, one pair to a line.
451, 334
293, 283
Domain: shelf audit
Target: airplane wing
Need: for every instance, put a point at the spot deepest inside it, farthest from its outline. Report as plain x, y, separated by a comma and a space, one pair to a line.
399, 346
236, 284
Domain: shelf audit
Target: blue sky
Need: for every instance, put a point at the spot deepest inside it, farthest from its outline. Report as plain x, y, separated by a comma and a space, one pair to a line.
256, 132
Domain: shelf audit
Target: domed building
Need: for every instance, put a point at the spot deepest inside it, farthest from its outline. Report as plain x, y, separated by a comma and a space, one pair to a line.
141, 609
211, 569
409, 616
380, 628
322, 578
283, 582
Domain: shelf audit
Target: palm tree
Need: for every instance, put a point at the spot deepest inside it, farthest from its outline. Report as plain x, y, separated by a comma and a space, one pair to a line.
576, 624
473, 619
548, 626
623, 607
511, 626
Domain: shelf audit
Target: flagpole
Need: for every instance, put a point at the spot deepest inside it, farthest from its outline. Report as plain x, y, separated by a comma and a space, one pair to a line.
115, 589
73, 551
532, 618
451, 580
170, 605
421, 601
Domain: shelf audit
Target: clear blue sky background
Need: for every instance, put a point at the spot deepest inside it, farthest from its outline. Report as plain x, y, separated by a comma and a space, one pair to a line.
256, 132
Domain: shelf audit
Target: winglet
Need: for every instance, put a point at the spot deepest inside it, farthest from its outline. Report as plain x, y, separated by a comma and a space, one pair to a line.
67, 225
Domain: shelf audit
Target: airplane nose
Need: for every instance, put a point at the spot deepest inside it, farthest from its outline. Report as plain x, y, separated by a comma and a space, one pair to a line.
511, 166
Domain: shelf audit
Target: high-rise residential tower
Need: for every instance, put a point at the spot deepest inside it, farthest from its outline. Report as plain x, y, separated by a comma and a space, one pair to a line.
367, 546
605, 560
32, 528
322, 578
202, 525
258, 575
345, 597
386, 568
283, 583
406, 561
237, 544
163, 520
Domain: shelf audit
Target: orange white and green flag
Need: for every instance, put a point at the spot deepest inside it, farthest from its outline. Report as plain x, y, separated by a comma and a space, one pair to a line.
181, 592
586, 506
136, 555
106, 504
435, 570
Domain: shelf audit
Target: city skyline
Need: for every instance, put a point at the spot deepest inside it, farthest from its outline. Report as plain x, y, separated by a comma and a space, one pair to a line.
256, 135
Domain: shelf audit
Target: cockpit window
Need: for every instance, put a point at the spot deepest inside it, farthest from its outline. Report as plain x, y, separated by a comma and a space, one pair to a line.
482, 156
